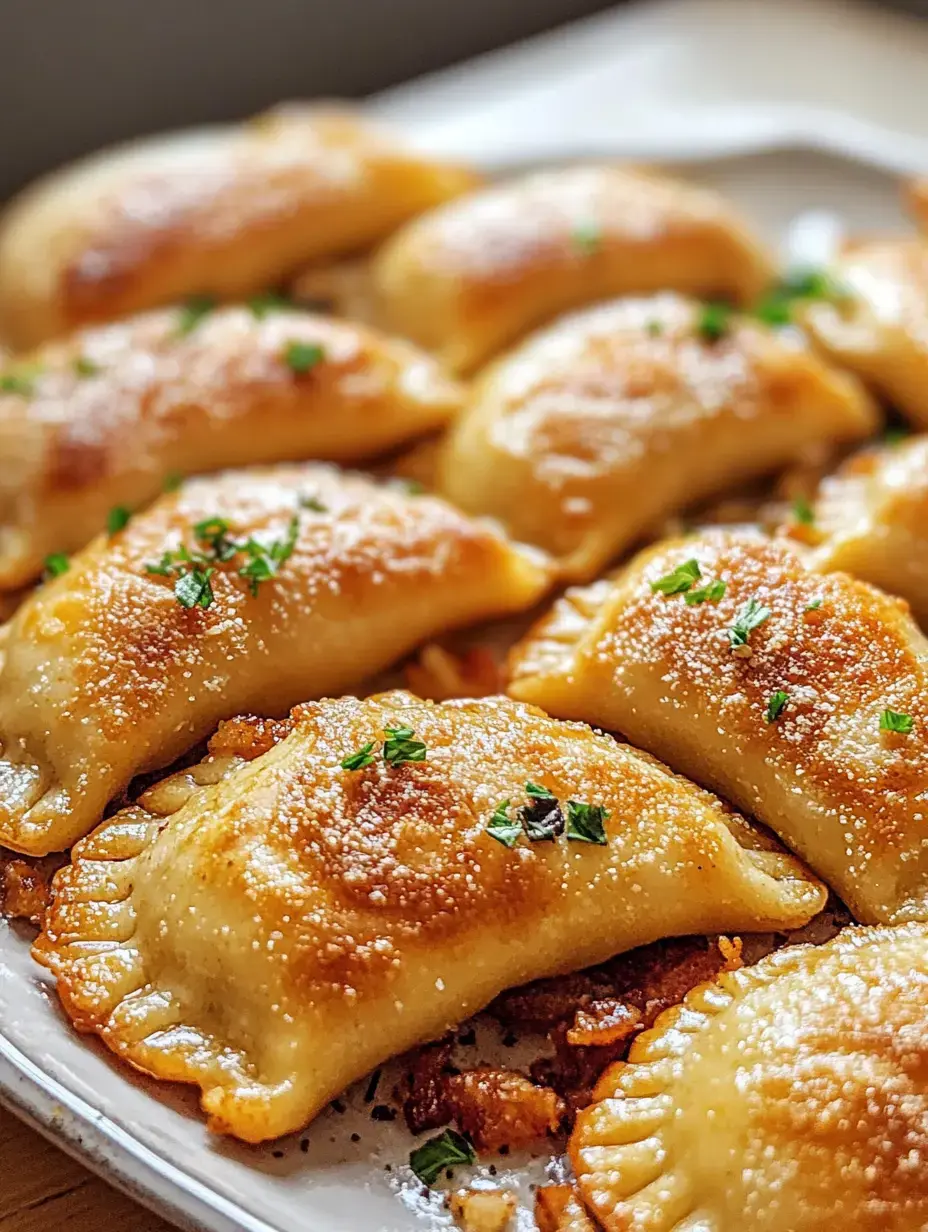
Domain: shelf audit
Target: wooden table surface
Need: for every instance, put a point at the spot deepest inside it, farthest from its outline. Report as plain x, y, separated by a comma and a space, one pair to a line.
41, 1189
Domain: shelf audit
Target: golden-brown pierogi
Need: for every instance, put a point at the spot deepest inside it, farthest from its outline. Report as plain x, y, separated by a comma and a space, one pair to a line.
788, 1097
594, 430
241, 592
877, 325
101, 420
871, 519
800, 696
218, 211
470, 277
377, 875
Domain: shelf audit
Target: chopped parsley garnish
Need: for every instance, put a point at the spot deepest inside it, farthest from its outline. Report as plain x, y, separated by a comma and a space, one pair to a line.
401, 746
412, 487
117, 519
587, 237
891, 721
271, 301
586, 823
812, 282
541, 818
172, 481
259, 568
17, 383
303, 356
502, 827
713, 322
776, 705
194, 589
776, 307
712, 592
803, 513
56, 564
447, 1150
265, 560
214, 533
85, 367
218, 547
538, 792
360, 760
314, 504
748, 619
678, 581
814, 605
170, 562
192, 313
654, 329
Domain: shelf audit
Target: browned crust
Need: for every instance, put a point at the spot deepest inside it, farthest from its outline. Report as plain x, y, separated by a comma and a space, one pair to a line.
818, 1086
373, 571
113, 412
843, 793
472, 276
226, 212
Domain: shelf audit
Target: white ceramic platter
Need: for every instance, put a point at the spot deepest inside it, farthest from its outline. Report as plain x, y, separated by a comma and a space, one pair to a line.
796, 110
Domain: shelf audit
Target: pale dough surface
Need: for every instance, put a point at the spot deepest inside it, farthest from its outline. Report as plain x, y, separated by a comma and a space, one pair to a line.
243, 926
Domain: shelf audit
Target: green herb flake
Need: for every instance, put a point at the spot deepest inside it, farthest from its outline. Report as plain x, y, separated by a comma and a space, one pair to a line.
502, 827
314, 504
213, 533
264, 560
217, 546
802, 512
447, 1150
587, 238
776, 705
812, 282
814, 605
194, 589
538, 792
541, 818
192, 313
586, 823
84, 366
654, 329
56, 564
678, 581
775, 309
360, 760
172, 481
17, 383
891, 721
163, 567
713, 322
401, 746
282, 549
303, 356
263, 305
210, 529
752, 615
259, 568
117, 519
712, 592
